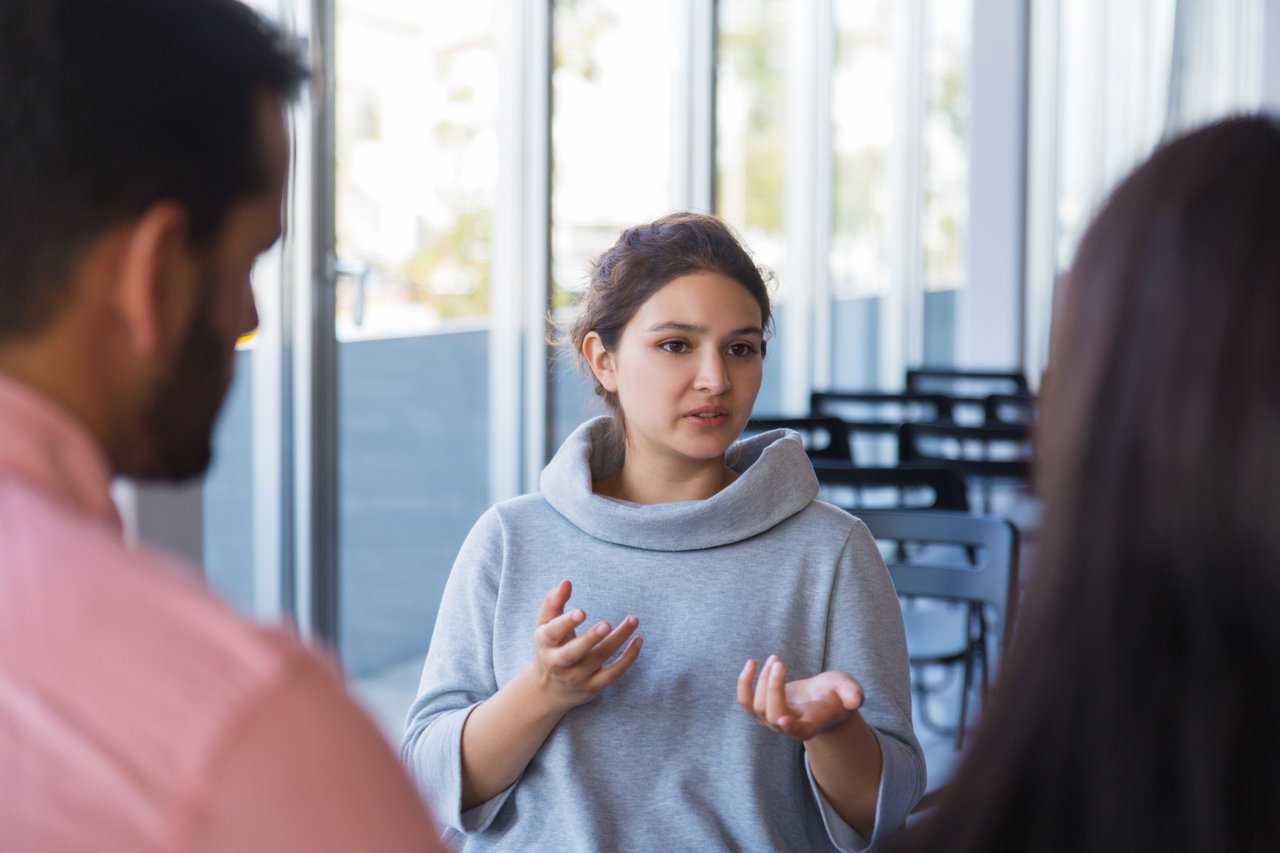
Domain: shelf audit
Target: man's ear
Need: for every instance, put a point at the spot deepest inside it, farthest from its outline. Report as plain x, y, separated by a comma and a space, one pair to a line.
154, 289
600, 360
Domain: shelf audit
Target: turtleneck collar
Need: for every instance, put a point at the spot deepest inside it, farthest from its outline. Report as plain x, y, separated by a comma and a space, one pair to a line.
775, 482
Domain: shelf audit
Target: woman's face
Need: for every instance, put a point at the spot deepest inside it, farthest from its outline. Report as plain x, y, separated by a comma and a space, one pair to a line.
687, 368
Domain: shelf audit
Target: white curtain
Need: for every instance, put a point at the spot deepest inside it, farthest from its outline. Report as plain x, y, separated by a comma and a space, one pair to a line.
1114, 78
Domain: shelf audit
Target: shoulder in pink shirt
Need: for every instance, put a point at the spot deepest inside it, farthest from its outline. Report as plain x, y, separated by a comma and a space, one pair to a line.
139, 713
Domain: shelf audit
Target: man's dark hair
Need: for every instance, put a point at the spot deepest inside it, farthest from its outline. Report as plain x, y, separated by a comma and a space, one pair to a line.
108, 107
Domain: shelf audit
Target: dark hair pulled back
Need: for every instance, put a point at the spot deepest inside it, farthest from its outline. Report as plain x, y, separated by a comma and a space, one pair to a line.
647, 257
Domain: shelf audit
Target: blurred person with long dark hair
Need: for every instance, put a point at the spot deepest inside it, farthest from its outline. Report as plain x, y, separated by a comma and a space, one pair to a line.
1137, 705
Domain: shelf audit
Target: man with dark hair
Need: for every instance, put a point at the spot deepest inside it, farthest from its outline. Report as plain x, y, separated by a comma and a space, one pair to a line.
143, 161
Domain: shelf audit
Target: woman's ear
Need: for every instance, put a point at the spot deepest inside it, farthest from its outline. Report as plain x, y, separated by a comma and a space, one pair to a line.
154, 278
600, 360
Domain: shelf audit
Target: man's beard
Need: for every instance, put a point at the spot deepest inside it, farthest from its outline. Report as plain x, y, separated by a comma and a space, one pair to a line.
177, 423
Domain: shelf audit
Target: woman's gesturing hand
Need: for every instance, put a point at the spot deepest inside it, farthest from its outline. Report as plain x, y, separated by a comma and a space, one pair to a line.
570, 667
801, 708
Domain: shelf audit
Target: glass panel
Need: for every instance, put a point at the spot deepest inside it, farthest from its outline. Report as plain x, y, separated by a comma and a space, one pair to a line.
416, 170
235, 565
864, 118
1111, 107
946, 142
228, 493
1131, 92
751, 149
944, 218
611, 134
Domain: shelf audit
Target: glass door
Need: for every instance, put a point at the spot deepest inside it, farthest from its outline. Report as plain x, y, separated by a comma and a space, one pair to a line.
416, 170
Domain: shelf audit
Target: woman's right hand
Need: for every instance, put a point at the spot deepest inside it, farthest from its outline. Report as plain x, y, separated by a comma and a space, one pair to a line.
569, 667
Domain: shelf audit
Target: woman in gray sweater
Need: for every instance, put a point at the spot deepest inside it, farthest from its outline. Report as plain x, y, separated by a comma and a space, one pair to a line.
536, 728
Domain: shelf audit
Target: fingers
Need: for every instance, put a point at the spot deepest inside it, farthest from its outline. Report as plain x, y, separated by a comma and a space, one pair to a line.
758, 700
775, 695
611, 642
850, 695
767, 702
593, 647
744, 685
611, 673
559, 629
553, 604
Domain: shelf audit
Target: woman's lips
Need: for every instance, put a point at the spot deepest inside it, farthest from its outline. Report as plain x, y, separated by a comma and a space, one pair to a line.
708, 417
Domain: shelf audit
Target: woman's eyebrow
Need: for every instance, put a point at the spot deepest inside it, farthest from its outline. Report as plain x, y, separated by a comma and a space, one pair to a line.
691, 329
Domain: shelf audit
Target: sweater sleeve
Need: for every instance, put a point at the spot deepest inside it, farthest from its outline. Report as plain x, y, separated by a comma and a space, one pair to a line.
457, 676
866, 639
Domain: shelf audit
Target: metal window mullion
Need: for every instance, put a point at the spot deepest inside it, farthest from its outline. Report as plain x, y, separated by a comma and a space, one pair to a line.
269, 443
1271, 56
823, 192
315, 351
901, 317
1042, 184
536, 237
505, 280
913, 315
800, 206
693, 107
991, 305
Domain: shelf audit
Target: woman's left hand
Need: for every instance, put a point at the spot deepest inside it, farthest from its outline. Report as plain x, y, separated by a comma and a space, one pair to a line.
801, 708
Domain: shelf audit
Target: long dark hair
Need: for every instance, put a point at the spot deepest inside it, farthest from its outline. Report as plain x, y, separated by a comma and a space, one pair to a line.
1137, 709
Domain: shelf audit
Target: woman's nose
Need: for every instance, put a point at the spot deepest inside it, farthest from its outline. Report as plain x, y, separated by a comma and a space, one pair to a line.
713, 374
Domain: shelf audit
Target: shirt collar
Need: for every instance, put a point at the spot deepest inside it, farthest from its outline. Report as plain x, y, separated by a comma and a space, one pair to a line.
41, 444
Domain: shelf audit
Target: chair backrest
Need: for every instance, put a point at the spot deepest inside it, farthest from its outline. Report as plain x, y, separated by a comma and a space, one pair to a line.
946, 486
825, 437
966, 383
869, 410
1000, 451
1009, 410
986, 574
872, 418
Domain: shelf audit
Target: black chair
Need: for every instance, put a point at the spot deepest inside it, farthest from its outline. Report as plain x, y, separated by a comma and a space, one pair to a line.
950, 557
824, 437
967, 389
987, 456
872, 409
966, 383
1009, 410
943, 487
873, 417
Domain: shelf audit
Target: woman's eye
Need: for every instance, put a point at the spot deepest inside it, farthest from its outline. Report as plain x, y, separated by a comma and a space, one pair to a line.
742, 350
674, 346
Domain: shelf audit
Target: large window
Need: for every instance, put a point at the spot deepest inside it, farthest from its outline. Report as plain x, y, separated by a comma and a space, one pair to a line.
415, 176
1110, 81
945, 208
751, 126
900, 133
865, 123
751, 148
613, 75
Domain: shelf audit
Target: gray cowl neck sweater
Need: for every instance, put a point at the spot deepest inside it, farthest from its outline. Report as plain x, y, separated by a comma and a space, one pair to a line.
775, 482
664, 759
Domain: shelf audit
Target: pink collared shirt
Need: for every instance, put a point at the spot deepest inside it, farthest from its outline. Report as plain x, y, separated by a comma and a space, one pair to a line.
137, 712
